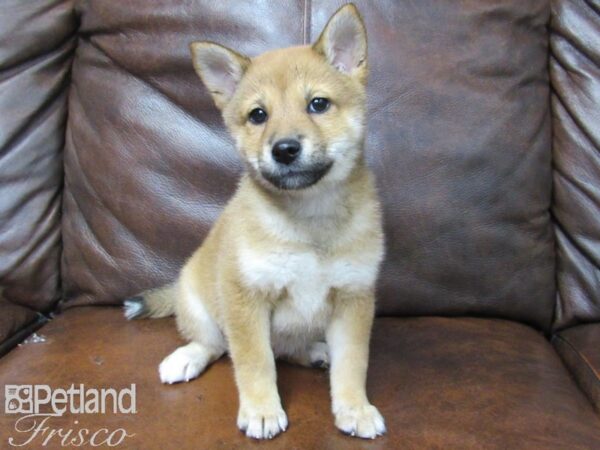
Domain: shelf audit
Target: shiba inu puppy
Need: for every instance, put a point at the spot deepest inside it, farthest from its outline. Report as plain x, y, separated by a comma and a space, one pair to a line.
288, 270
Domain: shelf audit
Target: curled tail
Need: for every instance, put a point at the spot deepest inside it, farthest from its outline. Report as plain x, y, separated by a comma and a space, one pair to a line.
153, 303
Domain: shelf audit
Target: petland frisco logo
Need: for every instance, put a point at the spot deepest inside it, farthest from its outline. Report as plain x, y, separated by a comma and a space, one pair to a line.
39, 403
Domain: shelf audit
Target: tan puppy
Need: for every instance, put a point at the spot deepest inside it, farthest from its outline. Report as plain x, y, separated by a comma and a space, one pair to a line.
289, 268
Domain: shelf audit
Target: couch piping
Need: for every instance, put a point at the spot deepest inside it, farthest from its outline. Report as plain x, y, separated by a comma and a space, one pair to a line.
580, 356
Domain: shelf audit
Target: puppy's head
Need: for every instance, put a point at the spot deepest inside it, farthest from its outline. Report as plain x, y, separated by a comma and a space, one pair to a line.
297, 114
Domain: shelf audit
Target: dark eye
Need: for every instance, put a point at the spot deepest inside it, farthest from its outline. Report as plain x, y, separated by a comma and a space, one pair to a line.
318, 105
257, 116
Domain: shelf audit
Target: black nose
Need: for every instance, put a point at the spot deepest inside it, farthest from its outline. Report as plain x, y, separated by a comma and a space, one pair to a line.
286, 151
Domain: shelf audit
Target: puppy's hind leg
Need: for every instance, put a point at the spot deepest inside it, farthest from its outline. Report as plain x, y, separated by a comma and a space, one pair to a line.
207, 343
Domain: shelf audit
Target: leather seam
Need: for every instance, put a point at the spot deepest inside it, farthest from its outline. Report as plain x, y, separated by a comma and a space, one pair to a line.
306, 20
580, 356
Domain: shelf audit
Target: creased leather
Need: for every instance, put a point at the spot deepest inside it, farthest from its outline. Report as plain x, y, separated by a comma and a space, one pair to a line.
36, 47
575, 77
148, 164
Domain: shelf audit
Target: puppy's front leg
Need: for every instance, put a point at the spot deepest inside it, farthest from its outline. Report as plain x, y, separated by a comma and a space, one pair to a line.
248, 331
348, 337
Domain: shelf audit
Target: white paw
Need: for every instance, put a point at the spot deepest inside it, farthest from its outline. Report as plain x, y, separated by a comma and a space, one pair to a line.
261, 422
364, 421
181, 365
319, 354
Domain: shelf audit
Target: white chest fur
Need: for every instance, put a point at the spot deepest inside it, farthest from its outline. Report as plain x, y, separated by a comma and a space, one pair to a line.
307, 277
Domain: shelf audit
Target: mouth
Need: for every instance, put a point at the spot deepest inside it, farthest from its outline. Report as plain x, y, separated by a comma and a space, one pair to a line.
295, 178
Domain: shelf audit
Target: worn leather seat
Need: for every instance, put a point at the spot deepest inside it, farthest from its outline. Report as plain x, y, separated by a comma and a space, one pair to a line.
440, 382
483, 136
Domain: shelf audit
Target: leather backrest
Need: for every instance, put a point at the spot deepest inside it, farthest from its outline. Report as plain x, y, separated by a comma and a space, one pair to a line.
459, 139
575, 77
37, 40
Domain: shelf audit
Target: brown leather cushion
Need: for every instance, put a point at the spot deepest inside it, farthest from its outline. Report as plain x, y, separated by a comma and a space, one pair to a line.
37, 40
441, 383
579, 348
459, 139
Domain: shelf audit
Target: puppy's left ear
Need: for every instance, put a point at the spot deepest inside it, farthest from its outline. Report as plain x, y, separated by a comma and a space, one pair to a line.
343, 42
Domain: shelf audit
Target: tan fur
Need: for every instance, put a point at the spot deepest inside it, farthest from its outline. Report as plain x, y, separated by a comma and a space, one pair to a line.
288, 273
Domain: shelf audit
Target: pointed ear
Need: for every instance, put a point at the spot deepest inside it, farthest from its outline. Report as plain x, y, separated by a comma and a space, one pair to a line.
343, 42
220, 68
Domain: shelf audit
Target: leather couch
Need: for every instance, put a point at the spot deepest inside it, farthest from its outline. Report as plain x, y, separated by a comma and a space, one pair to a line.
484, 135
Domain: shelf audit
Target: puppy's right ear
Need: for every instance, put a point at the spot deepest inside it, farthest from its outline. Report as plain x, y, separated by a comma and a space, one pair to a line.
220, 68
